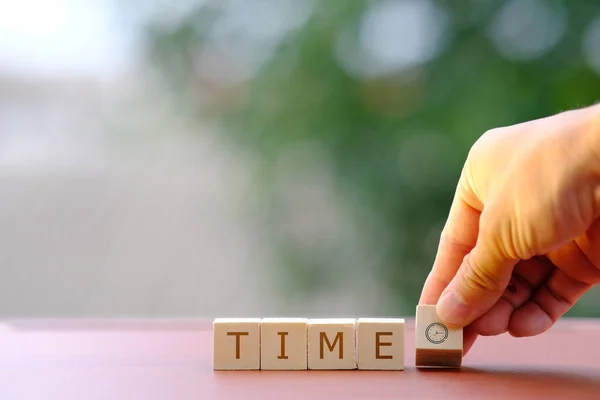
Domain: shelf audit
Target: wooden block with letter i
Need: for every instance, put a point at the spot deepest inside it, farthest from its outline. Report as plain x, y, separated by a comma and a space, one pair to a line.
380, 343
436, 345
283, 343
236, 343
332, 343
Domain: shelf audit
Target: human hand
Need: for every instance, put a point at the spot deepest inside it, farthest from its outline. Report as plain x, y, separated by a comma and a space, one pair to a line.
522, 241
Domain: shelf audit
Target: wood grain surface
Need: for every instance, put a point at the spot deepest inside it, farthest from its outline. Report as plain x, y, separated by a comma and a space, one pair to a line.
438, 358
151, 360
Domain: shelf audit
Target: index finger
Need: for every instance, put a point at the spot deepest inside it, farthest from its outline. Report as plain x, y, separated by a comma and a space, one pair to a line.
458, 238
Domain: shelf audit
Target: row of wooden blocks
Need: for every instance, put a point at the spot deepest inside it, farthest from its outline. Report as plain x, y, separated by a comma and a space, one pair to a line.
334, 343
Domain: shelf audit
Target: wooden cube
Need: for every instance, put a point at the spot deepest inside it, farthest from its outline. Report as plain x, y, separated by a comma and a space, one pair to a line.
436, 345
283, 343
380, 343
236, 343
332, 343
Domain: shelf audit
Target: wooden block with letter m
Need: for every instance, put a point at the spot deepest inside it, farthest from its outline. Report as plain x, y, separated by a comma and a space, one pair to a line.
332, 343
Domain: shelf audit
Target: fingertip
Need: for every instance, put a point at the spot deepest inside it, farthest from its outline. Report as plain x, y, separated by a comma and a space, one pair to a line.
476, 288
452, 309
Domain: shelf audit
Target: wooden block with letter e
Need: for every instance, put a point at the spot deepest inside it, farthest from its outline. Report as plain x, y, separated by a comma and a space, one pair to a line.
380, 343
332, 343
436, 345
283, 343
236, 343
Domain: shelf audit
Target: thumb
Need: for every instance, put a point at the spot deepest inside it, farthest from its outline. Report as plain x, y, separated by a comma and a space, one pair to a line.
478, 284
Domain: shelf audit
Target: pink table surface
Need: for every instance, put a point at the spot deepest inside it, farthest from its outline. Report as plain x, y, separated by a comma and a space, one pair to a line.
158, 359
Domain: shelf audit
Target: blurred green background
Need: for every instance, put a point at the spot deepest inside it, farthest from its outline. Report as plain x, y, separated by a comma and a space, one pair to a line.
258, 157
378, 100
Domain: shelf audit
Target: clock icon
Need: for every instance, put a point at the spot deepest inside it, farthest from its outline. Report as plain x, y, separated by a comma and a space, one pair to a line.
436, 333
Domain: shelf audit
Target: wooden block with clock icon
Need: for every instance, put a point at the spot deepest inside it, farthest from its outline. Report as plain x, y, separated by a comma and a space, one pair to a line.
436, 345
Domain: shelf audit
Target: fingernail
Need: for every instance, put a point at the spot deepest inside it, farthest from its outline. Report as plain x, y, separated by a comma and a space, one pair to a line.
451, 309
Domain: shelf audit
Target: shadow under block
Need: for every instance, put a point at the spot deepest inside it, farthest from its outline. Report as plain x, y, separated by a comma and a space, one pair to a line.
283, 344
332, 343
380, 344
436, 345
236, 343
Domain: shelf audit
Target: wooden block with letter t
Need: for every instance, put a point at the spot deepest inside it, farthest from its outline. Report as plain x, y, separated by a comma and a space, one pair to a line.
332, 343
236, 343
283, 343
380, 343
436, 345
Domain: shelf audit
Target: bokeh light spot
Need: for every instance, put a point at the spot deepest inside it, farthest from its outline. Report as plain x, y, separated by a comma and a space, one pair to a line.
591, 45
524, 30
247, 36
394, 35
